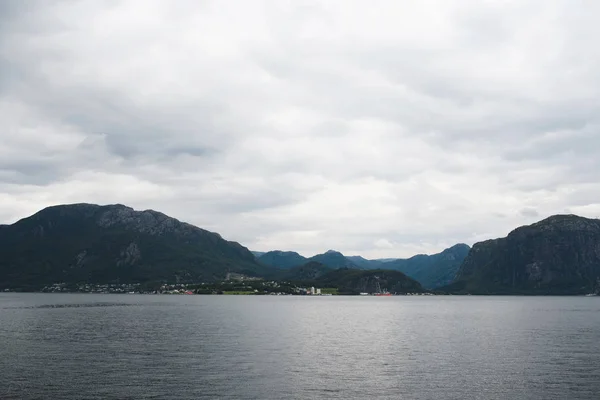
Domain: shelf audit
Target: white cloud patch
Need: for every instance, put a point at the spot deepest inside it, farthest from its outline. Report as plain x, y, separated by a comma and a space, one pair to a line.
383, 129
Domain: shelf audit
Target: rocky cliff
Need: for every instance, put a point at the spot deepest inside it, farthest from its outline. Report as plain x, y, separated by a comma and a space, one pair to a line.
559, 255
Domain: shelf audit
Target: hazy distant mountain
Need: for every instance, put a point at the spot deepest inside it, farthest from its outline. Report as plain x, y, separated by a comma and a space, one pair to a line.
559, 255
333, 259
91, 243
258, 253
282, 259
432, 270
289, 259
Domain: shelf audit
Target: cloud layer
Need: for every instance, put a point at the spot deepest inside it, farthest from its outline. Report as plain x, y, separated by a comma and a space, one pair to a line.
385, 129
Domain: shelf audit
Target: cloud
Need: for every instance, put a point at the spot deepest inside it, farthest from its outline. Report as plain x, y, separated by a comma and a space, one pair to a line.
305, 127
529, 212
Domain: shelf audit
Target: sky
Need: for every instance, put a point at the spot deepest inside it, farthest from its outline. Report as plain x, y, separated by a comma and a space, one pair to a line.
379, 128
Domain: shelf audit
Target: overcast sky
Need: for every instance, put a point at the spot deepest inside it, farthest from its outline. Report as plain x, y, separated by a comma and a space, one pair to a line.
380, 128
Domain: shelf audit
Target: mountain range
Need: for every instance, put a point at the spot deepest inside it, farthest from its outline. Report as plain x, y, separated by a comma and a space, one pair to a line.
114, 243
430, 270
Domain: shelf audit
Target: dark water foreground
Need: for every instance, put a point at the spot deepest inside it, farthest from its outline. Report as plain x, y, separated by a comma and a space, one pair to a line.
68, 346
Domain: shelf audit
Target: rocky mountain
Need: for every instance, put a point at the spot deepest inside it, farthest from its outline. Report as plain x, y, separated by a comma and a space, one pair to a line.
91, 243
282, 259
333, 259
434, 270
559, 255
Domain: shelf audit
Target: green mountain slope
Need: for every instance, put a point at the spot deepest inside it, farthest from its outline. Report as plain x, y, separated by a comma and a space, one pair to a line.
91, 243
559, 255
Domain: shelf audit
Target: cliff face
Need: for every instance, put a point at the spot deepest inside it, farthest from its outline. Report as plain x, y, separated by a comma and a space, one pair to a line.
559, 255
90, 243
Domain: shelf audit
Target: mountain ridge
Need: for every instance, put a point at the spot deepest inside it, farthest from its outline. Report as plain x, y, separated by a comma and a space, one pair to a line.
431, 271
92, 243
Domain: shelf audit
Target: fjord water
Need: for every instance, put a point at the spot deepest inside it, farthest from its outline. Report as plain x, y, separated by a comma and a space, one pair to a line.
72, 346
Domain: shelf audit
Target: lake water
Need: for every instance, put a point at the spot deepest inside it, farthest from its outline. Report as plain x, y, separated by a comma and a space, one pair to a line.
71, 346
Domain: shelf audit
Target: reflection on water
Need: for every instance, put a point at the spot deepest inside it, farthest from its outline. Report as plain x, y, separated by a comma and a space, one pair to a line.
132, 346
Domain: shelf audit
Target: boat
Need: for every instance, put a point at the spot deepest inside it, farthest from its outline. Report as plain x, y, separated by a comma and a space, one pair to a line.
379, 292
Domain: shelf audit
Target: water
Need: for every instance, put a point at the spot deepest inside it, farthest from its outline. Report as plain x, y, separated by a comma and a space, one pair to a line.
62, 346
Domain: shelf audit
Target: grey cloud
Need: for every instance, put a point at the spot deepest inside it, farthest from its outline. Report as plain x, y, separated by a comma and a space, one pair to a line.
529, 212
305, 124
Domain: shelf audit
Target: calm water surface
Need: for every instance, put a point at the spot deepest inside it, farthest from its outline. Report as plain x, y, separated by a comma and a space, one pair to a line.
70, 346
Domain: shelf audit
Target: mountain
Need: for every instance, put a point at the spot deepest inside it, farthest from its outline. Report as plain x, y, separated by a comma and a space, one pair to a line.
307, 272
430, 270
258, 253
354, 281
282, 259
333, 259
364, 263
434, 270
98, 244
559, 255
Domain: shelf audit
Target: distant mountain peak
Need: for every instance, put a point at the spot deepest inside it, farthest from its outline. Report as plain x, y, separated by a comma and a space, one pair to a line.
281, 259
333, 259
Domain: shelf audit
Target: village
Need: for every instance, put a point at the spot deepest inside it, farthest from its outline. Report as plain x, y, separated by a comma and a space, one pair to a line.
254, 287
